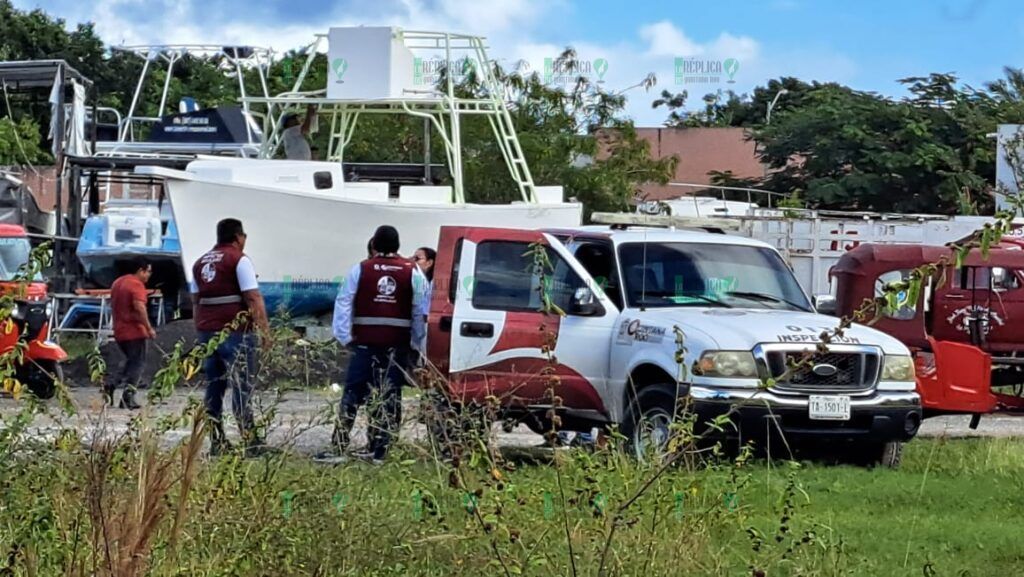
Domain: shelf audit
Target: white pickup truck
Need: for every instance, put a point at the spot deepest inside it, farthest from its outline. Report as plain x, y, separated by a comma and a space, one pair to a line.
629, 295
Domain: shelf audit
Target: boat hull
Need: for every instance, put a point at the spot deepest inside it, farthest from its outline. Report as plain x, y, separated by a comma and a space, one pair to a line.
303, 243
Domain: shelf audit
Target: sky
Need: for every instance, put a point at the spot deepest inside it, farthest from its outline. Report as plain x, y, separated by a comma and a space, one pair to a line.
699, 47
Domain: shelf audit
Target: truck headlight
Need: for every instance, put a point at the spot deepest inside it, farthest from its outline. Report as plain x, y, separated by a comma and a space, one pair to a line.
898, 368
728, 364
20, 310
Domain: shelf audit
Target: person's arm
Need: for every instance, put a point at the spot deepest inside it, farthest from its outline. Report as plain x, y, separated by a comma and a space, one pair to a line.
245, 273
306, 122
193, 289
420, 310
257, 311
341, 325
141, 312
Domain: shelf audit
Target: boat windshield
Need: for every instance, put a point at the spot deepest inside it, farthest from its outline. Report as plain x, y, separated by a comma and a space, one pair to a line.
14, 253
677, 274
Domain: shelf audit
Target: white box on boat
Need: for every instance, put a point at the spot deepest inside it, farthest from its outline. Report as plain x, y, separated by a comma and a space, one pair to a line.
368, 63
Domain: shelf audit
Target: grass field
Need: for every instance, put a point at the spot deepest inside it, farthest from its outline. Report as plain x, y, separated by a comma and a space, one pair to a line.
954, 508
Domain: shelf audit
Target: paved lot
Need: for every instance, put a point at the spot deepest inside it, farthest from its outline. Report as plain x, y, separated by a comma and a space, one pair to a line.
301, 420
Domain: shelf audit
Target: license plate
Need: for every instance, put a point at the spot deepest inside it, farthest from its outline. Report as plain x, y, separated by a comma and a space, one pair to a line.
829, 408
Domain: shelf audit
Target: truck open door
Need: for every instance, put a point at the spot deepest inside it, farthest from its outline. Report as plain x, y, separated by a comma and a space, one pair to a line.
508, 335
960, 382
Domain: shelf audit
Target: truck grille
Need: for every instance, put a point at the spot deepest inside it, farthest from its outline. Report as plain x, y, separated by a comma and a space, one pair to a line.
854, 371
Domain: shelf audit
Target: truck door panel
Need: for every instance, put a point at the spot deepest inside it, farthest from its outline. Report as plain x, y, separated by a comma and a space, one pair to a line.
964, 295
1006, 311
502, 340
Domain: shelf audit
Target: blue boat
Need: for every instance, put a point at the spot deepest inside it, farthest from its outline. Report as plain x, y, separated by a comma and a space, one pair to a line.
111, 240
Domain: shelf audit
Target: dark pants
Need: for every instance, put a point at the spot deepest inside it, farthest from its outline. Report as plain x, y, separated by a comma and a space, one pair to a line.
375, 372
134, 351
232, 364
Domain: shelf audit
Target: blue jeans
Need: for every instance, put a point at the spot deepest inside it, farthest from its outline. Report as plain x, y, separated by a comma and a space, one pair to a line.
566, 437
373, 371
232, 363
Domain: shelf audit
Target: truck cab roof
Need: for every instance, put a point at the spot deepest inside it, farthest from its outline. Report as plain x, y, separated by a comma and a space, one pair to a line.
619, 235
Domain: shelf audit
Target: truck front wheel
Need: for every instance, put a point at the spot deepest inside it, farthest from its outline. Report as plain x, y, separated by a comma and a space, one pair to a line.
647, 421
888, 454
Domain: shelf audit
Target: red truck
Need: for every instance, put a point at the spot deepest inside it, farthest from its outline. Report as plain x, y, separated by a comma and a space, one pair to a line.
966, 328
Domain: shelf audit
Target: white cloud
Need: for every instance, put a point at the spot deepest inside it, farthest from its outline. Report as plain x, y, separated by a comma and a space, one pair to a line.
743, 48
664, 39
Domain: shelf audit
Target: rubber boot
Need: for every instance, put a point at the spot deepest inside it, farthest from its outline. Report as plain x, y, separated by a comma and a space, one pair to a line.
255, 446
219, 444
108, 395
337, 451
128, 400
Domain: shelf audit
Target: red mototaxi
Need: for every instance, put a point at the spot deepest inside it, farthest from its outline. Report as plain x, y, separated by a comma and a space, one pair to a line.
29, 317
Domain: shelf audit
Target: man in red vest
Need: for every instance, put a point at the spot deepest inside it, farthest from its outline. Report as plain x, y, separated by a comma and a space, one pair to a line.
379, 314
226, 296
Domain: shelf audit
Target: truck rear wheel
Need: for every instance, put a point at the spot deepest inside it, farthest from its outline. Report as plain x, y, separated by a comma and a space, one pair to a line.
647, 421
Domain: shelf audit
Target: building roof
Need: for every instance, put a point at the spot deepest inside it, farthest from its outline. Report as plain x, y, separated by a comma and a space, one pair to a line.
700, 151
28, 74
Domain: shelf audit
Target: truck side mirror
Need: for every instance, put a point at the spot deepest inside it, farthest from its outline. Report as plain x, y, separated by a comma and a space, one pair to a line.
825, 304
584, 304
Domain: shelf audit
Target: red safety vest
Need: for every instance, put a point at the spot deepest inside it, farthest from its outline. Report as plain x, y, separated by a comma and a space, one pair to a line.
220, 297
383, 303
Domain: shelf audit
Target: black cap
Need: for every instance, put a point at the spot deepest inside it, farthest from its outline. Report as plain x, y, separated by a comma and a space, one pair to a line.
385, 240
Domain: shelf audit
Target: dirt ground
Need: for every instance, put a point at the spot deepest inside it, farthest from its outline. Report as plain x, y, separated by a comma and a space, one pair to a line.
300, 420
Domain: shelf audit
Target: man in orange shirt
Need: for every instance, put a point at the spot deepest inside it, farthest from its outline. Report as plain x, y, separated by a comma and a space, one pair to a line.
128, 300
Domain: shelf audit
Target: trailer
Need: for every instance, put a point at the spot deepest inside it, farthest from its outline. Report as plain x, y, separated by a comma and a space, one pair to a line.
812, 241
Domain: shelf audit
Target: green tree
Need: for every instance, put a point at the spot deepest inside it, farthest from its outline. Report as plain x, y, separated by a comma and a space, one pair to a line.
19, 143
928, 152
573, 136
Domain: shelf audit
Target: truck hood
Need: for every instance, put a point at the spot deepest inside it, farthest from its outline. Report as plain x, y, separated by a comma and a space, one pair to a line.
741, 329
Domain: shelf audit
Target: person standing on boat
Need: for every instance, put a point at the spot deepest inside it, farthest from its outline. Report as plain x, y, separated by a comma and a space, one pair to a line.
226, 295
295, 134
128, 300
380, 313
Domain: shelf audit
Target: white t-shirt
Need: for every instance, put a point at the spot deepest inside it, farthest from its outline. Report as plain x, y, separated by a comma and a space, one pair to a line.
245, 272
295, 145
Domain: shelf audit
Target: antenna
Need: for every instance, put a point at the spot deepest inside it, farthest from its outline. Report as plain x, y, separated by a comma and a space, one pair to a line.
643, 275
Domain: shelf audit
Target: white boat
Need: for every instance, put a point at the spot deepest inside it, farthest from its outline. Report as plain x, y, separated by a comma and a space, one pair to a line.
306, 225
303, 239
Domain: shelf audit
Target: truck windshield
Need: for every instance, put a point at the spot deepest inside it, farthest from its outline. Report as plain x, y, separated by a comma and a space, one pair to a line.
14, 253
708, 275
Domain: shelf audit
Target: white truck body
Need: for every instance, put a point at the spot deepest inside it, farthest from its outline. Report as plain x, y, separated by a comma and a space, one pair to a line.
496, 343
